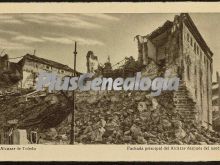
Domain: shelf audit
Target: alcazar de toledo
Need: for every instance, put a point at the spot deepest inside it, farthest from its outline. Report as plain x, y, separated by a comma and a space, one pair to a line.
176, 46
179, 46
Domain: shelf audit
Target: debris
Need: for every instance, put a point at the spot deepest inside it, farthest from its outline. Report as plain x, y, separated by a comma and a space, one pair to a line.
106, 118
142, 106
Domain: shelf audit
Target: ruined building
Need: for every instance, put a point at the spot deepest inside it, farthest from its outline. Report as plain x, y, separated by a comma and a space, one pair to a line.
179, 47
32, 65
92, 62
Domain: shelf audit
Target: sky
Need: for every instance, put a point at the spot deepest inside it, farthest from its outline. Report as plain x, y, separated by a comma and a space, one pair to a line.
53, 35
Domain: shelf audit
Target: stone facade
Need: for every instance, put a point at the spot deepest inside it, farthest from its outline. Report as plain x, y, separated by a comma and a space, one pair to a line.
32, 65
179, 47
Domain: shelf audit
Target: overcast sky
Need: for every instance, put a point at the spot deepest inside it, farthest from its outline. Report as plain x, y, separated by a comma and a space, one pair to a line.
53, 35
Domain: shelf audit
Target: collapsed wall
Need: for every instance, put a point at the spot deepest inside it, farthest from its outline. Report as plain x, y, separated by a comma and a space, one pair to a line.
178, 44
119, 117
107, 117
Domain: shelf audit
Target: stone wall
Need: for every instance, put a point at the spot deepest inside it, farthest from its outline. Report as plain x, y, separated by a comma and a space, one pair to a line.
182, 55
198, 76
31, 70
185, 104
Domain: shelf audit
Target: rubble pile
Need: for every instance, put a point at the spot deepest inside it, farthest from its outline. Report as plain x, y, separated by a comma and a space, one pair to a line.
134, 118
106, 117
40, 111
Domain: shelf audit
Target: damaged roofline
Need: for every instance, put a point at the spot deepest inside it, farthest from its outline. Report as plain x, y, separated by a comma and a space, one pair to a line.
195, 30
191, 26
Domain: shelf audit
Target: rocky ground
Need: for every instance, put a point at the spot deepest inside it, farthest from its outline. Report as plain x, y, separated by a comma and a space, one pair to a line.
135, 118
105, 118
35, 111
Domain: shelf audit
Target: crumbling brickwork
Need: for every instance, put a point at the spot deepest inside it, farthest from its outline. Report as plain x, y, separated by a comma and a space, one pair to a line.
179, 47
